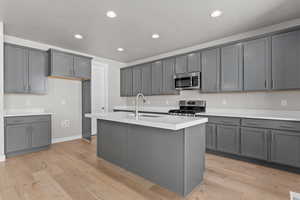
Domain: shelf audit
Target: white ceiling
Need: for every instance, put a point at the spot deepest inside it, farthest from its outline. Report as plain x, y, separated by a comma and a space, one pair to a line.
180, 23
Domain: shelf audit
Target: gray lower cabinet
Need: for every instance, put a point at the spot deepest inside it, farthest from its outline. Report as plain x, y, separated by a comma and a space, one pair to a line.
25, 70
26, 134
146, 79
181, 64
254, 143
285, 147
157, 78
210, 60
168, 76
228, 138
194, 62
257, 64
126, 82
82, 67
136, 80
286, 61
67, 65
211, 136
232, 68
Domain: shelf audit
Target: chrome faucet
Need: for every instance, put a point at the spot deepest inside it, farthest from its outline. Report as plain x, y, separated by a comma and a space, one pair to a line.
137, 104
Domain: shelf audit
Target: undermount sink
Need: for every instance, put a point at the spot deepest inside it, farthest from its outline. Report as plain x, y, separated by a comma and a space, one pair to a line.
152, 116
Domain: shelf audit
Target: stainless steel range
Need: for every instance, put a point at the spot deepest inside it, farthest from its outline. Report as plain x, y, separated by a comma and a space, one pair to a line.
189, 108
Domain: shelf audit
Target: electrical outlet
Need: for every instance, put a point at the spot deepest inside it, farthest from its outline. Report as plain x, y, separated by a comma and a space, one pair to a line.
28, 102
63, 102
148, 102
284, 102
224, 102
65, 123
167, 102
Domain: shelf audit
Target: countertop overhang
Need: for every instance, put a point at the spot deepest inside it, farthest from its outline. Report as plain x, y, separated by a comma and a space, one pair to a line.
151, 120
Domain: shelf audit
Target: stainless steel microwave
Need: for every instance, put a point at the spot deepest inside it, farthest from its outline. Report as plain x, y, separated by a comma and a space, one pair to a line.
188, 81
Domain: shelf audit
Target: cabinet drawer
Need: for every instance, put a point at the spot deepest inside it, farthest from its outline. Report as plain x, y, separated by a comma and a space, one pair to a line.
27, 119
224, 120
286, 125
257, 123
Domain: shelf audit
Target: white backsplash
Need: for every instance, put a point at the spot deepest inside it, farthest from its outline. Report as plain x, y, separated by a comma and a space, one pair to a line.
274, 100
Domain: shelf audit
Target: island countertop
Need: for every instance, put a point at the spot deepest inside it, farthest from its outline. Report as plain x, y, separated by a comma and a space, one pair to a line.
151, 120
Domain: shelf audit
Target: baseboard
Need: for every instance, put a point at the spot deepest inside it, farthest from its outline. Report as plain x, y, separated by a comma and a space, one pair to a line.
65, 139
2, 158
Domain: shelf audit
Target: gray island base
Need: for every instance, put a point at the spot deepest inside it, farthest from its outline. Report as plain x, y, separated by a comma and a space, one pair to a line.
173, 159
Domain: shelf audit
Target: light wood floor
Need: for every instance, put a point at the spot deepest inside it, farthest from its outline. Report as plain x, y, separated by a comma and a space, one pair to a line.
71, 170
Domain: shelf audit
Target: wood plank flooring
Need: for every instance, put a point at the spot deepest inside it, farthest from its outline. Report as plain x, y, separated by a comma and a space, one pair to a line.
72, 171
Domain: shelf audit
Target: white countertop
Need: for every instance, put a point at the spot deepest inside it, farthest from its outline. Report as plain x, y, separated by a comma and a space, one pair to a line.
151, 120
157, 109
241, 113
25, 112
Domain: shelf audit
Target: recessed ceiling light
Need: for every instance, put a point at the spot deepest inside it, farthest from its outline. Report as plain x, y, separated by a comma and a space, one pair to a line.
216, 13
120, 49
111, 14
78, 36
155, 36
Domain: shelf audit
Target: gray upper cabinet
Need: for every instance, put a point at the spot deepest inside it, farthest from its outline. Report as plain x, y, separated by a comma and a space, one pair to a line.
82, 67
61, 64
228, 138
254, 143
157, 77
15, 69
210, 60
181, 64
168, 76
285, 147
146, 79
67, 65
232, 68
38, 71
136, 80
126, 82
193, 62
257, 64
286, 61
25, 70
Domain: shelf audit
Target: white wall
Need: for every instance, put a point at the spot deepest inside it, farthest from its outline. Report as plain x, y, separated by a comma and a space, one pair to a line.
2, 157
64, 96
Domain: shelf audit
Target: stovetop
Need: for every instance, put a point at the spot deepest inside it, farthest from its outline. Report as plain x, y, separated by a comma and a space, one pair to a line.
189, 108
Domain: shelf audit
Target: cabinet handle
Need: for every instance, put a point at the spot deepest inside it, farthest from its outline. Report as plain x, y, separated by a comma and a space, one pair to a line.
251, 123
265, 83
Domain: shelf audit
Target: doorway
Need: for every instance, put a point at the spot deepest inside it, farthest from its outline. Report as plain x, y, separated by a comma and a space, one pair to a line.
99, 91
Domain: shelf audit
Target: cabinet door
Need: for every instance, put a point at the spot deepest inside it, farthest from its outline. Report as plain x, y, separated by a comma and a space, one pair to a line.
232, 68
257, 64
211, 136
168, 76
254, 143
136, 80
285, 147
62, 64
228, 139
286, 60
146, 79
41, 134
157, 77
17, 138
15, 69
181, 64
86, 108
193, 62
210, 70
38, 71
82, 67
123, 83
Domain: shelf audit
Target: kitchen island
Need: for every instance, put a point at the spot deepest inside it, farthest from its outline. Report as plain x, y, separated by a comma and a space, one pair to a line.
167, 150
